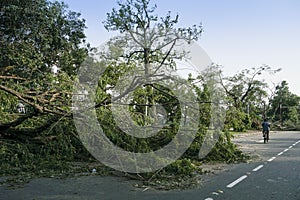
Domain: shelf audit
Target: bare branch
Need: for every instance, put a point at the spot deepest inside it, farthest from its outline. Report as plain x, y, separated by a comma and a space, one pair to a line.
13, 77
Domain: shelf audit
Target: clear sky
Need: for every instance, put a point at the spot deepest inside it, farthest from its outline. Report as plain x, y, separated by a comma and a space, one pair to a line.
237, 34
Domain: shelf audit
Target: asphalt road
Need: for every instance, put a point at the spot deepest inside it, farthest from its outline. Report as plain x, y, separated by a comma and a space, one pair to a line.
275, 176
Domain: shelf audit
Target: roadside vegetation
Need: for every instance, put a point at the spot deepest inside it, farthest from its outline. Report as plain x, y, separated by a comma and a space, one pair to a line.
38, 137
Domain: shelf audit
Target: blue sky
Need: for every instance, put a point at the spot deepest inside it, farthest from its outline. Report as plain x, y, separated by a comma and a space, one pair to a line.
237, 34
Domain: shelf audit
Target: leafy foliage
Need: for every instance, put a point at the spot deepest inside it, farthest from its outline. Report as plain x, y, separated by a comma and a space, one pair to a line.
226, 151
39, 35
284, 105
245, 94
237, 120
50, 153
36, 37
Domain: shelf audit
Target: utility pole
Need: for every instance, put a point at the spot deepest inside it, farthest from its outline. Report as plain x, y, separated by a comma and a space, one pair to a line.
248, 108
264, 110
280, 110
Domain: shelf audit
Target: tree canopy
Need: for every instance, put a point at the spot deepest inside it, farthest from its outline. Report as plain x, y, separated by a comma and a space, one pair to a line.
284, 105
43, 49
37, 38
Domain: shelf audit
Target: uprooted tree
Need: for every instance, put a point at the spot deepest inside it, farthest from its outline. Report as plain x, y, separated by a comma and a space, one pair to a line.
146, 53
37, 38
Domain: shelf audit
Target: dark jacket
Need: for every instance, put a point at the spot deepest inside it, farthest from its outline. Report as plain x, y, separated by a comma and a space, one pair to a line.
266, 126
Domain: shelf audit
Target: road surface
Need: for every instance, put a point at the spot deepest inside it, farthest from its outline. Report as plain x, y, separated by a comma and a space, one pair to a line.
275, 176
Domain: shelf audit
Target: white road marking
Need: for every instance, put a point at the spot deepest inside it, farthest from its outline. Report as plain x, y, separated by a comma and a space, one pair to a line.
236, 181
231, 185
280, 154
257, 168
271, 159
